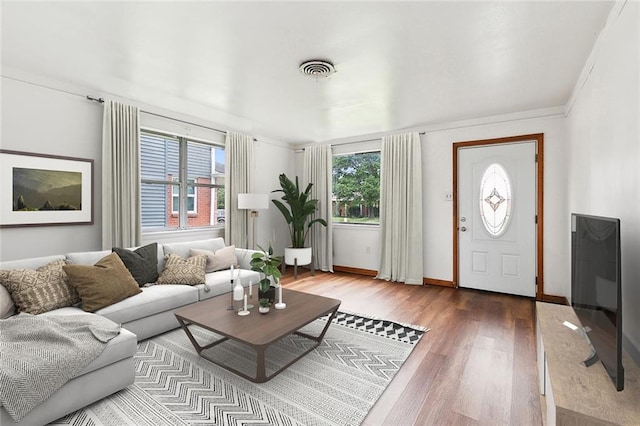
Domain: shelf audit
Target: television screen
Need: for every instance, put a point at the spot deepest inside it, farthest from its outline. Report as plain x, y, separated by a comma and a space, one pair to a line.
596, 288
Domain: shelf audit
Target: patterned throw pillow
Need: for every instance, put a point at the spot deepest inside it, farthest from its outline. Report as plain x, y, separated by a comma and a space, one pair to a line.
178, 270
141, 262
41, 290
223, 258
102, 284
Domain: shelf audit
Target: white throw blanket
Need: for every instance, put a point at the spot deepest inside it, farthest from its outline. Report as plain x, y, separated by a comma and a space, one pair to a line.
39, 354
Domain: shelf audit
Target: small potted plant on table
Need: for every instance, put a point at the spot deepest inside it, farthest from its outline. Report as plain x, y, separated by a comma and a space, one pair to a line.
264, 306
267, 264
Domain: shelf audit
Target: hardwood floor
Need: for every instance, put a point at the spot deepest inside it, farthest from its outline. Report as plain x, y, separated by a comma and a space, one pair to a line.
476, 366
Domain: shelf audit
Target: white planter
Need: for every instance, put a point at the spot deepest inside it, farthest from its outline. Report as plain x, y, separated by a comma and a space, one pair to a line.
303, 256
263, 309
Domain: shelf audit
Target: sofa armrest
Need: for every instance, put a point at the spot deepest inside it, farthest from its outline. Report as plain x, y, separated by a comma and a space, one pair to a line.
244, 257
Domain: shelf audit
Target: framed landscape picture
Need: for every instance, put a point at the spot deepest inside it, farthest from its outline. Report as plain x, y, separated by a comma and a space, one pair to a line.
44, 190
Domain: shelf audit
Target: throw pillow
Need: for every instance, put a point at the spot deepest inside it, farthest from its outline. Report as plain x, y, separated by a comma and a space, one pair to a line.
223, 258
178, 270
141, 262
7, 307
40, 290
103, 284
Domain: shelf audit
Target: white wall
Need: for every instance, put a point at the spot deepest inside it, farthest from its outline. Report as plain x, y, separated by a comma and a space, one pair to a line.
351, 242
604, 146
43, 117
438, 213
272, 159
47, 121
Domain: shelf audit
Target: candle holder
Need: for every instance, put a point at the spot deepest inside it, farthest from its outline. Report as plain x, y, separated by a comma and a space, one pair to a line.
230, 307
250, 306
280, 304
244, 311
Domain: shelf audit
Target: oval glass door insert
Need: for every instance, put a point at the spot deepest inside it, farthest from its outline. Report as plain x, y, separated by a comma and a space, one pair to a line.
495, 200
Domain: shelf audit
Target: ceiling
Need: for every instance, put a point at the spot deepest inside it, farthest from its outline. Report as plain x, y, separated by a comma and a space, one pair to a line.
399, 64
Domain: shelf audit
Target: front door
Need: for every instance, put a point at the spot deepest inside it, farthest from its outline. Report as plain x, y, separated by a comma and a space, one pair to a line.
497, 218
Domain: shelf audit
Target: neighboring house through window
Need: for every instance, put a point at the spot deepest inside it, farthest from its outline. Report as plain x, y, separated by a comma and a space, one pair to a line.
356, 188
192, 203
182, 182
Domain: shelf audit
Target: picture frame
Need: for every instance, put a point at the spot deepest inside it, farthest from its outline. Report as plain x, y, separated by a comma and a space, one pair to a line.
45, 190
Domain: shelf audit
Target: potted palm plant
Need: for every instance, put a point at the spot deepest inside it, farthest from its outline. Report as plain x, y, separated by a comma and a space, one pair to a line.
267, 264
297, 213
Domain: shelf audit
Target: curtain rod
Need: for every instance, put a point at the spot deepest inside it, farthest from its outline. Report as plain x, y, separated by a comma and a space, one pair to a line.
363, 141
101, 100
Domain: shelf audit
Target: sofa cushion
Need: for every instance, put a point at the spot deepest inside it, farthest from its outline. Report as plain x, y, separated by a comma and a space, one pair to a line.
86, 257
141, 262
182, 249
41, 290
219, 282
7, 307
178, 270
30, 263
105, 283
153, 299
223, 258
122, 346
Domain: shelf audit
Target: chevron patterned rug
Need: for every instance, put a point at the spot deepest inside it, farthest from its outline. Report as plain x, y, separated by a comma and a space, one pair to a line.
335, 384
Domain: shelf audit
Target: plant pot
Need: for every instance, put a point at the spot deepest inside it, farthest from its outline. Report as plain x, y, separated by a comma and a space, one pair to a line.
303, 256
263, 309
269, 294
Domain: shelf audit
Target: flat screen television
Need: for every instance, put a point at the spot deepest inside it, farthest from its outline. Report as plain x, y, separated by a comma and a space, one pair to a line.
596, 289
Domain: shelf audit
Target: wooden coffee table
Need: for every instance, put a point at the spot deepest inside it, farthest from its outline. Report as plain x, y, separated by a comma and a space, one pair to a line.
256, 330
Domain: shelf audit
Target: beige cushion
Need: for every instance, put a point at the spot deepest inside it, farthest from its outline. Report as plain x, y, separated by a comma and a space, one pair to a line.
40, 290
182, 249
223, 258
103, 284
7, 307
178, 270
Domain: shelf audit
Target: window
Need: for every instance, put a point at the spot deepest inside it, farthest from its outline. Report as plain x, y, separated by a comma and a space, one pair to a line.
356, 188
182, 182
495, 199
191, 196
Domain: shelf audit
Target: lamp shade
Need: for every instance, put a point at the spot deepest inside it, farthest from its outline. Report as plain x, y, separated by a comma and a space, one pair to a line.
253, 201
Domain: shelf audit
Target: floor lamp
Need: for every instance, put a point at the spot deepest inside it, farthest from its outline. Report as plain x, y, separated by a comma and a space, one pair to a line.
253, 202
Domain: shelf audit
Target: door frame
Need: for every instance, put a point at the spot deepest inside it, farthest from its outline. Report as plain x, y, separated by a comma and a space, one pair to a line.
539, 252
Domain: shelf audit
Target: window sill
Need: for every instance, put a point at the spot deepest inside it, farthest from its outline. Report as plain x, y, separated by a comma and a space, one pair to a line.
182, 231
356, 225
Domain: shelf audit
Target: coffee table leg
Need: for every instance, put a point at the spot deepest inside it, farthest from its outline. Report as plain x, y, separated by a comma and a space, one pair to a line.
193, 340
319, 338
261, 373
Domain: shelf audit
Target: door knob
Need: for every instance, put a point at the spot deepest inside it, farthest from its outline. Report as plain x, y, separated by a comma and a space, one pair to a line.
463, 228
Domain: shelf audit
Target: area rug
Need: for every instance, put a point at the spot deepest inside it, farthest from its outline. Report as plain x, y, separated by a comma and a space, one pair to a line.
335, 384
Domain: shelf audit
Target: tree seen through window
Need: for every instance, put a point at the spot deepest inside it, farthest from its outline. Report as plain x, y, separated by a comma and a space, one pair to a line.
356, 188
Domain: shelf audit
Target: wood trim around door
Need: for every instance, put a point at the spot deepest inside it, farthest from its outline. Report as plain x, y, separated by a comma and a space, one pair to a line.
539, 139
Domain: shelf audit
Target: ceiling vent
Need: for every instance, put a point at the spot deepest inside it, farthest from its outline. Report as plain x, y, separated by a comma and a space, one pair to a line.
317, 69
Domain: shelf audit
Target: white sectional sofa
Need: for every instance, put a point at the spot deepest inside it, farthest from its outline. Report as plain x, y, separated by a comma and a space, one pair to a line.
141, 316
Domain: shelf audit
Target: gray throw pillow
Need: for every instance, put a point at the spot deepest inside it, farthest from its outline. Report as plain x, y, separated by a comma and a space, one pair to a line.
141, 262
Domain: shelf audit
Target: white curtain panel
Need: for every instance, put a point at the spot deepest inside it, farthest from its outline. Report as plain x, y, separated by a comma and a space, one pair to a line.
317, 170
401, 209
120, 176
238, 173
